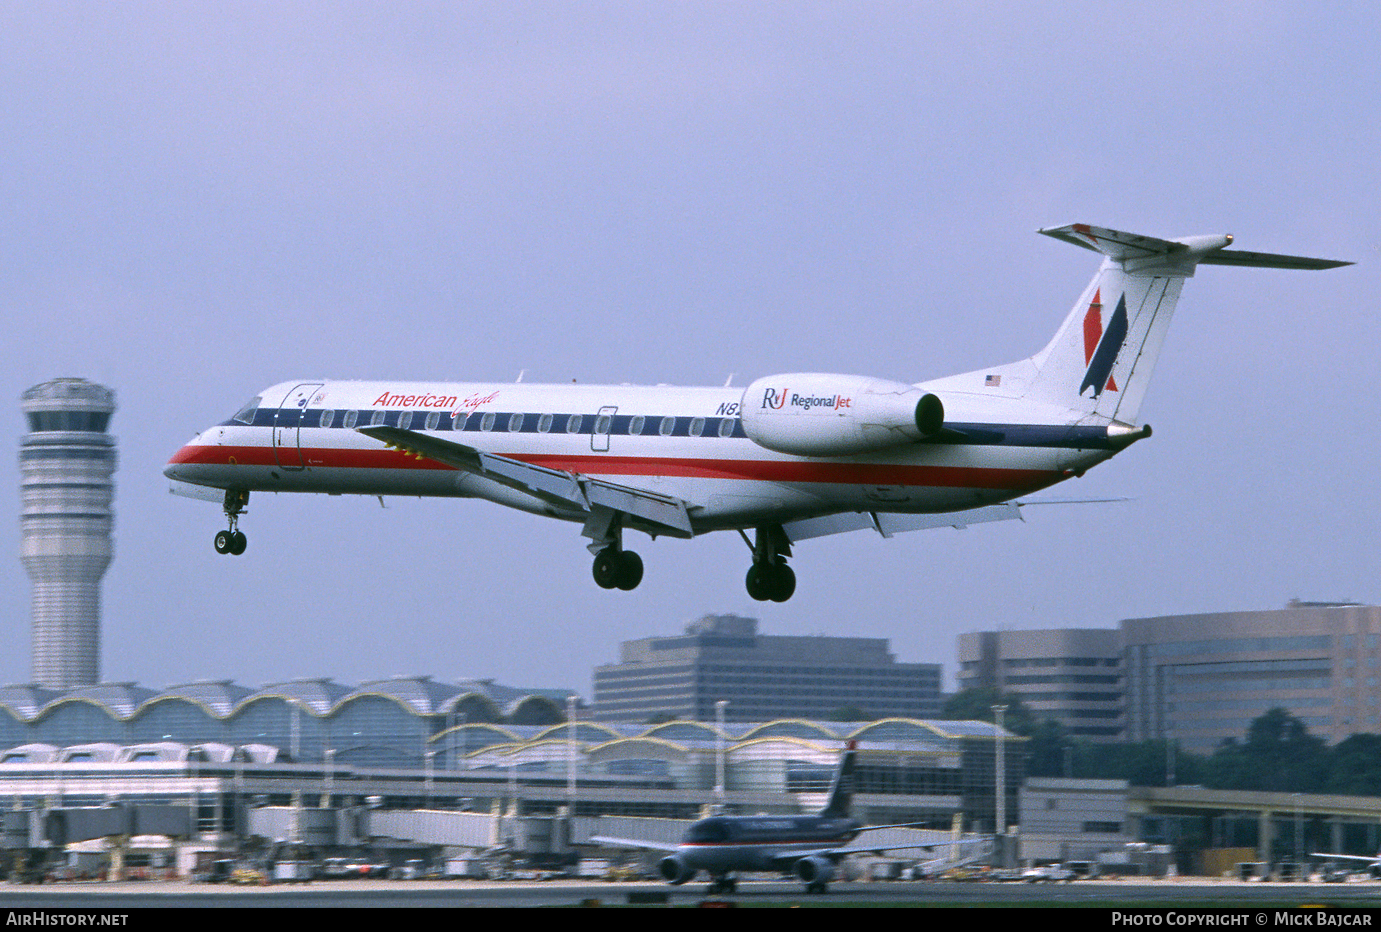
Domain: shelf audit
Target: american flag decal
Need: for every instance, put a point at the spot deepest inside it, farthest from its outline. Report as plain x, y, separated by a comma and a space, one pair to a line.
992, 381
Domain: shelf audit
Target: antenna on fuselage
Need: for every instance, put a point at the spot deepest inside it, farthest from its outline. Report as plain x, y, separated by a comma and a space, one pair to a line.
730, 380
521, 373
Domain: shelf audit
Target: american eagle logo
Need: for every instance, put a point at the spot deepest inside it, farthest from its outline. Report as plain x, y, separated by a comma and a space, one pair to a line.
1102, 346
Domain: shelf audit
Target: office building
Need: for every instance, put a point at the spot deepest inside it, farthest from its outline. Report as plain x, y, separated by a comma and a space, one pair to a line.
1203, 678
723, 657
1070, 675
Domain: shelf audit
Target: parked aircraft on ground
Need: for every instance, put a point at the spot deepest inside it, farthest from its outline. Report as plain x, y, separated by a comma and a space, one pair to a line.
809, 847
790, 457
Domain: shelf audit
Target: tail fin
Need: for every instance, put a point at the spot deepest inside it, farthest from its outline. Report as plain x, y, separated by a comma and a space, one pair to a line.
1101, 358
842, 791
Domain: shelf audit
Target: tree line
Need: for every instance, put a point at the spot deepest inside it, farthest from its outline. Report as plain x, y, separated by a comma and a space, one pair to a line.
1277, 754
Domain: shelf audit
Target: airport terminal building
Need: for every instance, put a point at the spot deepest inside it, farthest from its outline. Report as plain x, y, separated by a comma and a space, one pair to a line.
417, 762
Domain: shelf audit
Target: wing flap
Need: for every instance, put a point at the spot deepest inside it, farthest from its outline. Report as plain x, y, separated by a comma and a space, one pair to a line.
670, 515
889, 523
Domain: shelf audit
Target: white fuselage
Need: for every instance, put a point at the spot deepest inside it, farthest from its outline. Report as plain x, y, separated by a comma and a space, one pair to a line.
687, 443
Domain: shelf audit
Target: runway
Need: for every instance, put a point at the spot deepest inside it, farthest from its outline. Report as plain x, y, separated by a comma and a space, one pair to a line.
483, 894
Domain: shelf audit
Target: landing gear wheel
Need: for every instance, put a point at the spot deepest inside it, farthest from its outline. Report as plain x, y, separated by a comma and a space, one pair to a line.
759, 582
238, 543
224, 540
783, 583
606, 568
630, 570
774, 582
816, 887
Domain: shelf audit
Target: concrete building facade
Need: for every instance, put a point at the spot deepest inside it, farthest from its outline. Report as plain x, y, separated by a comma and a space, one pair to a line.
1071, 675
722, 657
1200, 679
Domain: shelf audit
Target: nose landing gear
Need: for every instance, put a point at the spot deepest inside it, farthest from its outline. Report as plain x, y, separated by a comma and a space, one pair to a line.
233, 540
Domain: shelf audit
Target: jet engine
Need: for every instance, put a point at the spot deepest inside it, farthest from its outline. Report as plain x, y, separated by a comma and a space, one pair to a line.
819, 414
815, 869
674, 870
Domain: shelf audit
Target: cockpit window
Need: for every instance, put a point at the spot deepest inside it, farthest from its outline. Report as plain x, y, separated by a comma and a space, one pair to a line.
246, 414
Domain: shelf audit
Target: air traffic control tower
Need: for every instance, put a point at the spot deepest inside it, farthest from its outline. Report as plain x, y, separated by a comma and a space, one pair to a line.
66, 461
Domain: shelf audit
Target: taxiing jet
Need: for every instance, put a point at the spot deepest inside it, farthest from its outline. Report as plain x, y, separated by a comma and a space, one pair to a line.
791, 457
808, 847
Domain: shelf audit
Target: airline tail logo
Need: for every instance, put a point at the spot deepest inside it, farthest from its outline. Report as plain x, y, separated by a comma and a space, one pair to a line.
1102, 346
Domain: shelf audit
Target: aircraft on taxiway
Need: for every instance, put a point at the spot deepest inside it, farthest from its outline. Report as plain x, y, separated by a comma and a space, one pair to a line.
791, 457
809, 847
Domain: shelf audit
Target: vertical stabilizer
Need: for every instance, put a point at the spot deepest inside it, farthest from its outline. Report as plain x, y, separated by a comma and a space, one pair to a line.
842, 791
1101, 359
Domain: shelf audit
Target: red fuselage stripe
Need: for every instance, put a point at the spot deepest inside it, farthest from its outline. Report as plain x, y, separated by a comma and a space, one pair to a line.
968, 477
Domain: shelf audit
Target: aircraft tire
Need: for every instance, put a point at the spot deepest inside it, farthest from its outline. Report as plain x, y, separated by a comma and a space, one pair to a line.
630, 570
238, 543
783, 583
606, 568
759, 582
223, 541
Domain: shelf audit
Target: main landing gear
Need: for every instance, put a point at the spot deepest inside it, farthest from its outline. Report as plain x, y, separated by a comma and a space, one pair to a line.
722, 884
233, 541
618, 569
769, 578
614, 567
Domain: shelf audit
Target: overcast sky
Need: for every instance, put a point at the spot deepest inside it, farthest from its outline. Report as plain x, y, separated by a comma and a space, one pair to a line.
200, 200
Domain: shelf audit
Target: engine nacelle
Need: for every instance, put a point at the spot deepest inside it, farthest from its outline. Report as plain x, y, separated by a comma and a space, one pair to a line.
815, 869
674, 870
819, 414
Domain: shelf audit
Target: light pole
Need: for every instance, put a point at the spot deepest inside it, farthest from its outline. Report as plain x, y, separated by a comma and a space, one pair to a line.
570, 754
1001, 815
719, 708
430, 755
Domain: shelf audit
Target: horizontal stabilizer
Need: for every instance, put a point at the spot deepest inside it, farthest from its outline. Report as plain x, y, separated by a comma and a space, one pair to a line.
1208, 250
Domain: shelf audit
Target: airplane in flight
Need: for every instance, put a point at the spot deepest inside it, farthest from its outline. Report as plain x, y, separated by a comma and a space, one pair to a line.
790, 457
809, 847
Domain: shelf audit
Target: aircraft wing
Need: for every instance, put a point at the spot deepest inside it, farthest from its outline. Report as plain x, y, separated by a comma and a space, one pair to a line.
1346, 857
889, 523
784, 860
640, 844
571, 490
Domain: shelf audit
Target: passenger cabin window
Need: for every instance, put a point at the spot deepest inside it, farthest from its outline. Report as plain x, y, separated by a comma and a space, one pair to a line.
603, 423
327, 417
433, 419
377, 419
726, 427
515, 423
635, 426
667, 426
697, 426
573, 424
544, 423
458, 420
487, 422
404, 420
350, 418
